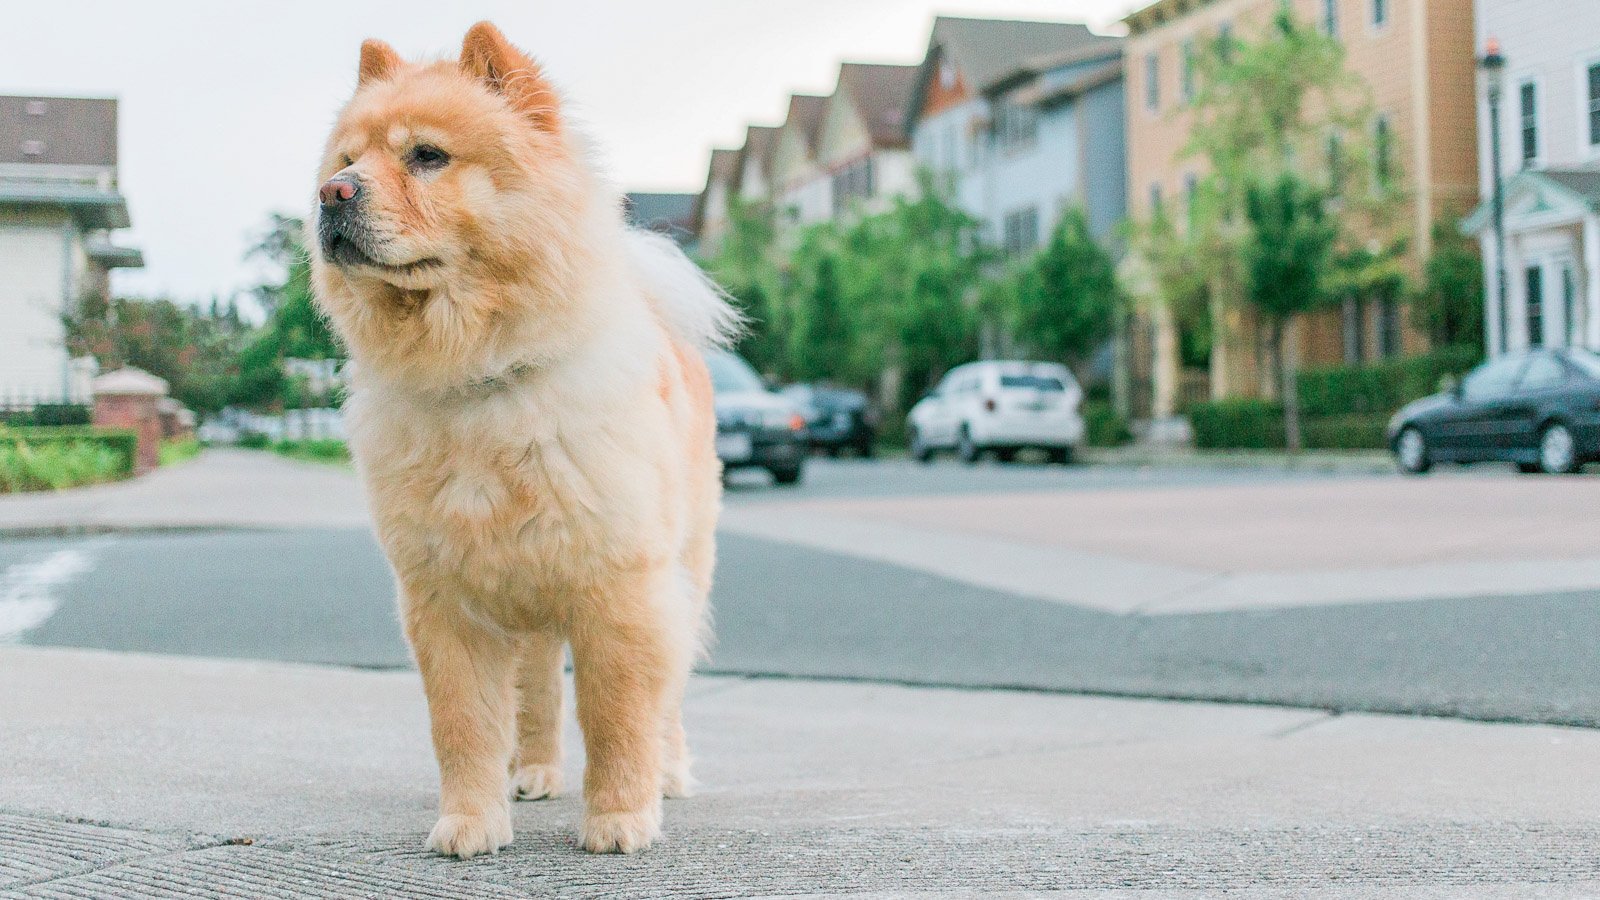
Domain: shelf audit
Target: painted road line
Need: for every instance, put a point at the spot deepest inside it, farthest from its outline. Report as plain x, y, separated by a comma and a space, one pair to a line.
29, 591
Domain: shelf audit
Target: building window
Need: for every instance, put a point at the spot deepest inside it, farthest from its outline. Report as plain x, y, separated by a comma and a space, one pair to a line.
1155, 199
1383, 152
1528, 121
1152, 81
1355, 345
1225, 42
1015, 125
1594, 104
1388, 326
37, 107
1380, 13
33, 148
1186, 69
853, 182
1535, 284
947, 75
1021, 232
1330, 17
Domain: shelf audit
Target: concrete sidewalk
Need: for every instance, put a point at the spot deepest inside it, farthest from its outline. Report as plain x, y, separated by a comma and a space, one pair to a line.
221, 488
125, 775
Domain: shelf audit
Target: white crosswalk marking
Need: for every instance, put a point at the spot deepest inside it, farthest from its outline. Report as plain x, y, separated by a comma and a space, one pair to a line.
28, 589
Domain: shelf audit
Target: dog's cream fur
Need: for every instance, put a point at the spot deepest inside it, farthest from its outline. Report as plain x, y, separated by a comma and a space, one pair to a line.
534, 424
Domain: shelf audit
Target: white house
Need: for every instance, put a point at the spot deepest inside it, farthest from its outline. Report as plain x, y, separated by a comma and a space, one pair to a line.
803, 194
1550, 163
863, 145
58, 205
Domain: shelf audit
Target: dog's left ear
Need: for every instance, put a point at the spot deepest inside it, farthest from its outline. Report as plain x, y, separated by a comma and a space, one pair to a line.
489, 57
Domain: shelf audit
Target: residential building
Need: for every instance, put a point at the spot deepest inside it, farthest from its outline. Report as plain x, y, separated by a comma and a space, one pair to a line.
1416, 59
862, 145
755, 163
668, 214
59, 204
800, 187
710, 217
1017, 120
1550, 171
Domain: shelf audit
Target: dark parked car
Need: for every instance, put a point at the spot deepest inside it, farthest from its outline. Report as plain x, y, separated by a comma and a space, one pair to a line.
1539, 409
837, 419
756, 428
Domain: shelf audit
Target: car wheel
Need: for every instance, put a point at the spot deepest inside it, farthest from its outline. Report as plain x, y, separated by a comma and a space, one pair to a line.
789, 475
920, 451
1061, 456
1411, 451
1558, 450
966, 450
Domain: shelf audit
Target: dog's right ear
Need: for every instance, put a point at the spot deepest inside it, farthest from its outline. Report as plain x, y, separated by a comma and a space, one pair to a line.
378, 61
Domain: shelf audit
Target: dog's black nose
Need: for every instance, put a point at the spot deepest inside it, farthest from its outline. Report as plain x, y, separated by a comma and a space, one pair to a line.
339, 190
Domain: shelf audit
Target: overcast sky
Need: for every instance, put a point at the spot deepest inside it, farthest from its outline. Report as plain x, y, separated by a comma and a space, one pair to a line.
225, 104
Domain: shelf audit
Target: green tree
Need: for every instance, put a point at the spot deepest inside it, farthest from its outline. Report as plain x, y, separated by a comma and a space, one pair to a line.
1068, 297
747, 265
1287, 259
1449, 305
819, 344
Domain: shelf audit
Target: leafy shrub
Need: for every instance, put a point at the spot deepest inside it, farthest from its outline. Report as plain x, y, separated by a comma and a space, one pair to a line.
1103, 427
1380, 388
1258, 425
254, 440
322, 450
34, 459
48, 415
177, 451
1237, 424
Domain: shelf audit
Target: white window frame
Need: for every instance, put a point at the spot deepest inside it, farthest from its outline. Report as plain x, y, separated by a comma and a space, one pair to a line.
1586, 150
1541, 125
1152, 81
1188, 83
1330, 18
1373, 25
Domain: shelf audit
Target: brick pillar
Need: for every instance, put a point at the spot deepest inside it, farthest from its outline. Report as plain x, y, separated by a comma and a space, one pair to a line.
130, 398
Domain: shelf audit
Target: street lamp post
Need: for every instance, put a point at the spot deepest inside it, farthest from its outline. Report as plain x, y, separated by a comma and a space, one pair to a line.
1494, 66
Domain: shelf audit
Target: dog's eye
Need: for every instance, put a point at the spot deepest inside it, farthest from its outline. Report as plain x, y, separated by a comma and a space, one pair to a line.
346, 162
427, 156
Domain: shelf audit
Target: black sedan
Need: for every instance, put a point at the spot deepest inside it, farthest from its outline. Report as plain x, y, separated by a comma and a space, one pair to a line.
837, 419
756, 429
1539, 409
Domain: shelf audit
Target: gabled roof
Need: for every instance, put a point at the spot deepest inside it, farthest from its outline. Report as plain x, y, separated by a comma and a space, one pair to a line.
72, 131
880, 93
723, 168
1159, 13
989, 51
1043, 93
1572, 189
805, 116
758, 143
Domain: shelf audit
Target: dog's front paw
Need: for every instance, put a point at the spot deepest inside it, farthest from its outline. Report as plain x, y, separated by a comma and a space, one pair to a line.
622, 832
536, 782
468, 836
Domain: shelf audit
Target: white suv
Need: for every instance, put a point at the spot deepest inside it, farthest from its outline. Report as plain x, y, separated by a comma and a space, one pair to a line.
1002, 407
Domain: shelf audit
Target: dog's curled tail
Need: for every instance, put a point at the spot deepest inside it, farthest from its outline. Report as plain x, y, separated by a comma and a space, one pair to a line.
694, 307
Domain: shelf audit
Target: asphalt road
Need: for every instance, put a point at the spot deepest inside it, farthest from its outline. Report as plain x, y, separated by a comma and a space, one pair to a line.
782, 611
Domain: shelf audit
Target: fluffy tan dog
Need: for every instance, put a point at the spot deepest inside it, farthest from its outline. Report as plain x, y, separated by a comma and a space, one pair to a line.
534, 424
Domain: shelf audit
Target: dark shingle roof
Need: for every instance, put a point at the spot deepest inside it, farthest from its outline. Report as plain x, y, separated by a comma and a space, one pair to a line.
1583, 182
881, 93
758, 142
805, 114
987, 50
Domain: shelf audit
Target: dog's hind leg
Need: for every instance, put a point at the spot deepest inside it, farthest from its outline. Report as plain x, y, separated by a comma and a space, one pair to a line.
537, 768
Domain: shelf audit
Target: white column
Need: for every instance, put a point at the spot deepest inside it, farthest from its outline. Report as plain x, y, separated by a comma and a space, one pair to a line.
1491, 293
1591, 278
1516, 296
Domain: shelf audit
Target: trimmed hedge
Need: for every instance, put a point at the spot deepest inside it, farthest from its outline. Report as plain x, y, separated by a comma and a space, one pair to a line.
1258, 425
1380, 388
322, 450
52, 458
1103, 427
48, 415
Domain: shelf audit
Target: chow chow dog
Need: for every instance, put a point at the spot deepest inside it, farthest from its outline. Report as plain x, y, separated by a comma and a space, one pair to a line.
532, 417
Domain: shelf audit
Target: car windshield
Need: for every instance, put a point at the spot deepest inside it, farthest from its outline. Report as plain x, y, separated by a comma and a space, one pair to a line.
1036, 382
1586, 360
732, 375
